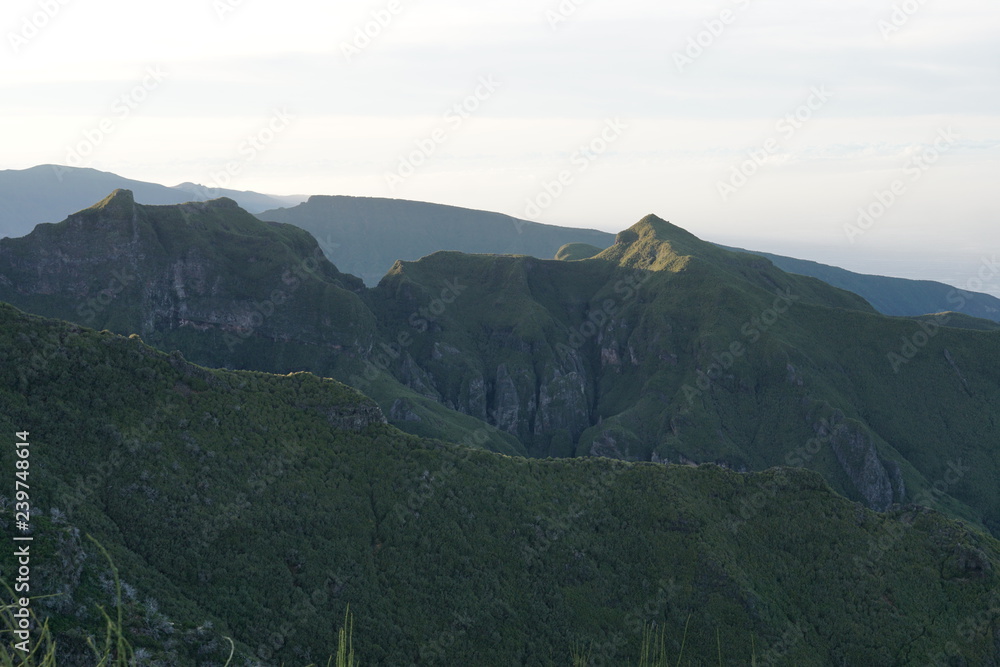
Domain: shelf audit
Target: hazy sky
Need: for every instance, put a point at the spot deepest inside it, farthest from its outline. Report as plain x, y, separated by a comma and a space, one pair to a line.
766, 123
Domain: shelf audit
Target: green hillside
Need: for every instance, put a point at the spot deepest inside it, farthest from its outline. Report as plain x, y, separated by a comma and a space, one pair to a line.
661, 348
217, 283
257, 507
667, 348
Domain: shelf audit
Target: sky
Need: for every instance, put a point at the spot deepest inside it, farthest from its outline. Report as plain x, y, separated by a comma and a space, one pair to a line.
864, 134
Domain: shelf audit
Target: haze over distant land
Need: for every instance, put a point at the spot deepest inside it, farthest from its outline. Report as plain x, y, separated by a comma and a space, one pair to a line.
779, 122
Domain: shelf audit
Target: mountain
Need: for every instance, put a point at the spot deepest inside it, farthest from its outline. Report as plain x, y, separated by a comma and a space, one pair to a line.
257, 508
364, 236
251, 201
661, 348
226, 288
894, 296
48, 193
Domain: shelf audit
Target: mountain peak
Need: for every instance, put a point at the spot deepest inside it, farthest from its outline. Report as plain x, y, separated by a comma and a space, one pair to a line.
655, 244
656, 228
119, 202
222, 202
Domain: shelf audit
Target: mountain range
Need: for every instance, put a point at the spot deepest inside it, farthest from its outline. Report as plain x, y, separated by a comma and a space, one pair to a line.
364, 236
48, 193
895, 296
662, 347
258, 509
664, 433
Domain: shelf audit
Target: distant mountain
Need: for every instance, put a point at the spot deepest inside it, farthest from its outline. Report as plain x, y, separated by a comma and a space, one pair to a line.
364, 236
245, 513
894, 296
251, 201
662, 347
48, 193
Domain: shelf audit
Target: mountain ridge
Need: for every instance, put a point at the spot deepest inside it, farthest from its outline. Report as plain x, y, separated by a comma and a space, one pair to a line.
894, 296
366, 235
47, 193
228, 499
661, 348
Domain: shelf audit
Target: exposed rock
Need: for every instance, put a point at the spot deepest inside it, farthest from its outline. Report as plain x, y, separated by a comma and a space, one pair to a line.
856, 453
401, 411
355, 417
507, 404
606, 445
562, 404
417, 379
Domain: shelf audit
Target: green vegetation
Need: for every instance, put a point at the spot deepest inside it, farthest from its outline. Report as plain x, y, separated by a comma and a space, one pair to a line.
252, 506
574, 251
255, 504
660, 348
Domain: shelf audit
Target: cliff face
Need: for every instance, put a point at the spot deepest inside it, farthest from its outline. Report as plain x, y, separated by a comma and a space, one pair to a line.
663, 349
660, 348
202, 267
217, 492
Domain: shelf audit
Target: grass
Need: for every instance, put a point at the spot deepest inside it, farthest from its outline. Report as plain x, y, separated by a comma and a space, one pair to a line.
117, 651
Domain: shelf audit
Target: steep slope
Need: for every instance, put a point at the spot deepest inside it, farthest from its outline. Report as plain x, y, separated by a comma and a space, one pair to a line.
667, 348
366, 235
894, 296
217, 283
159, 271
660, 348
258, 507
47, 193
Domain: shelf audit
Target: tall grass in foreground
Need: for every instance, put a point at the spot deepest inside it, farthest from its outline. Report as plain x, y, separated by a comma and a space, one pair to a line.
654, 650
345, 643
117, 652
43, 652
